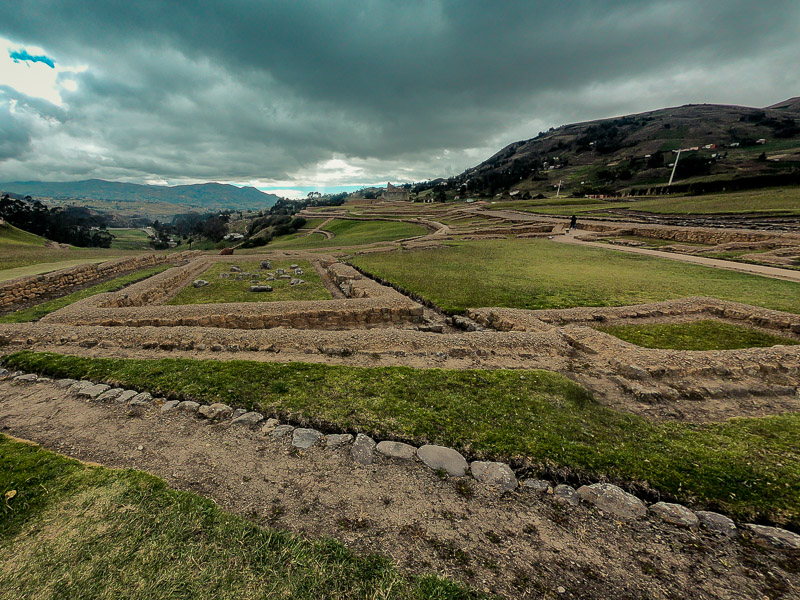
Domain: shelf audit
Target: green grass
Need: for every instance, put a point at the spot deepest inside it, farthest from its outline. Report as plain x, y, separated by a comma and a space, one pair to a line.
36, 312
353, 233
75, 531
770, 201
696, 335
538, 274
130, 239
747, 467
230, 290
13, 236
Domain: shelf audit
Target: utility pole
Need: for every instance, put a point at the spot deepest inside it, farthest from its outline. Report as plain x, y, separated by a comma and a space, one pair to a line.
558, 191
675, 166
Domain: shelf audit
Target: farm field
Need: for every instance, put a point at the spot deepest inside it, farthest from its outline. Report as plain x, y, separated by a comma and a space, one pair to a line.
133, 525
539, 274
232, 290
697, 335
496, 415
351, 233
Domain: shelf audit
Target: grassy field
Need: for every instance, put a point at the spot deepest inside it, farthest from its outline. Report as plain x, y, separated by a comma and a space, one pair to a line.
20, 249
230, 290
774, 201
748, 467
696, 335
353, 233
130, 239
537, 274
75, 531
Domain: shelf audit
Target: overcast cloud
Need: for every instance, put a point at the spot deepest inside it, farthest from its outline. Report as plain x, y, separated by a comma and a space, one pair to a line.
329, 93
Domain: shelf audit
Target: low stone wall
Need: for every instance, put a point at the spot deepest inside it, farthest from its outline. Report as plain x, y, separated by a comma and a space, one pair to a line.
24, 290
696, 235
369, 305
509, 319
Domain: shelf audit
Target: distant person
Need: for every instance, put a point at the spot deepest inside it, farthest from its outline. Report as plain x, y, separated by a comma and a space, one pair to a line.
573, 223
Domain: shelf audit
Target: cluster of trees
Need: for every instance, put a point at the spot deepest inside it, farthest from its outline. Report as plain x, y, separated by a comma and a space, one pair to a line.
785, 127
71, 225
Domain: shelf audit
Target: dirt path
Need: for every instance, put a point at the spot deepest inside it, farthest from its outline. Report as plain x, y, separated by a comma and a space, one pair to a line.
319, 229
521, 544
764, 271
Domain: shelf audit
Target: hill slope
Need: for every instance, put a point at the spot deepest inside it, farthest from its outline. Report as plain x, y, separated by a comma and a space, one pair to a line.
610, 155
204, 196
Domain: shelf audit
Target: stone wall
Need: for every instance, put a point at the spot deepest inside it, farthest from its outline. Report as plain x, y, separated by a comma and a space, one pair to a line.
696, 235
24, 290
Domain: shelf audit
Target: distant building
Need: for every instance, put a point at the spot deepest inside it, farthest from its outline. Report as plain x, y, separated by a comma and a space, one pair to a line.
394, 194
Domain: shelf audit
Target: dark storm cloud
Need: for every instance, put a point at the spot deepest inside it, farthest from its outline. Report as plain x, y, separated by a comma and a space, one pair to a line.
252, 89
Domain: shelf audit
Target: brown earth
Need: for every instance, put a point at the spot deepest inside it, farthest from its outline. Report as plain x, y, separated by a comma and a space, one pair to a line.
521, 544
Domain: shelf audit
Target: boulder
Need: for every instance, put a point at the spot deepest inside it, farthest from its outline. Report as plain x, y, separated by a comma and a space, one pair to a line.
189, 406
612, 499
280, 271
396, 450
337, 439
215, 411
269, 426
305, 438
494, 474
226, 251
441, 458
235, 269
675, 514
265, 264
774, 536
565, 494
249, 418
260, 288
717, 523
538, 485
198, 283
296, 281
27, 377
281, 431
363, 449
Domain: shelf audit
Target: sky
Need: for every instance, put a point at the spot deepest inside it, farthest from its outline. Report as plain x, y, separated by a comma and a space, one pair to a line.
300, 95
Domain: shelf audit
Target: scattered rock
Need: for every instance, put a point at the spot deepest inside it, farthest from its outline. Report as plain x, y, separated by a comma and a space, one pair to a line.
269, 426
296, 281
26, 377
281, 431
265, 264
675, 514
612, 499
64, 383
238, 412
3, 372
170, 406
495, 474
198, 283
396, 450
189, 406
236, 269
110, 395
280, 271
774, 536
538, 485
92, 391
215, 411
439, 457
363, 449
337, 439
260, 288
565, 494
294, 266
305, 438
141, 397
125, 396
249, 418
298, 271
717, 523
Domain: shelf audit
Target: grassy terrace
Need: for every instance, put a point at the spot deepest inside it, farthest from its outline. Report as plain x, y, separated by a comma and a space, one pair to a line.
34, 313
130, 239
747, 467
352, 233
70, 530
231, 290
538, 274
697, 335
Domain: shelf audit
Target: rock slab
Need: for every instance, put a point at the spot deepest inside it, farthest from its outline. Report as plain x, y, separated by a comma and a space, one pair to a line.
716, 522
565, 494
363, 449
249, 418
538, 485
281, 431
495, 474
215, 411
305, 438
336, 440
92, 391
614, 500
397, 450
170, 406
442, 458
675, 514
774, 536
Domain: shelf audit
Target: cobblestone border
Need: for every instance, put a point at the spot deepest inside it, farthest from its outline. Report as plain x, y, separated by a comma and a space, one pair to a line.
607, 498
